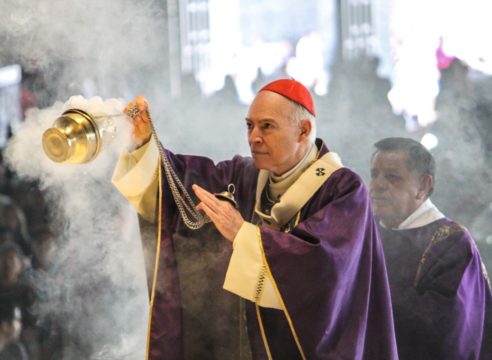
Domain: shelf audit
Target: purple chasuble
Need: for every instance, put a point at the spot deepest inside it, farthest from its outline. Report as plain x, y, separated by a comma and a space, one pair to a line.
329, 270
441, 297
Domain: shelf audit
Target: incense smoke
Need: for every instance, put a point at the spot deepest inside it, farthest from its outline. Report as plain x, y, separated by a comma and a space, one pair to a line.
97, 288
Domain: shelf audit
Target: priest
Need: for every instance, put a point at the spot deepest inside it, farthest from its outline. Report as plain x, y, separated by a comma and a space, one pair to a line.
440, 290
306, 254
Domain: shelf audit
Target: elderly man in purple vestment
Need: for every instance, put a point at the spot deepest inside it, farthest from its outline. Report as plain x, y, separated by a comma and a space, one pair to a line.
306, 255
439, 286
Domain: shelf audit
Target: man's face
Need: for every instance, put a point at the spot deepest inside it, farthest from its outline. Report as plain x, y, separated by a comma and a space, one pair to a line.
276, 142
395, 191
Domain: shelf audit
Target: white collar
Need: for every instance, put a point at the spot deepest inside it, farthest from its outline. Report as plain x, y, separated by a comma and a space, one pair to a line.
426, 213
423, 215
299, 193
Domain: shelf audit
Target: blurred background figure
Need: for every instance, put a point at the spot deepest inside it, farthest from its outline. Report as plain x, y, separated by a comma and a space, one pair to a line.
44, 246
13, 221
43, 336
13, 264
10, 329
13, 290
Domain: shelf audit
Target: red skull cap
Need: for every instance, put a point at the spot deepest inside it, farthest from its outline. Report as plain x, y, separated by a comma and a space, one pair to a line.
292, 90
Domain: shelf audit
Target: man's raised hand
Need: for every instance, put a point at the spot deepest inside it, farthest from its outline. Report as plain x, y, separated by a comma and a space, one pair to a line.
138, 111
224, 216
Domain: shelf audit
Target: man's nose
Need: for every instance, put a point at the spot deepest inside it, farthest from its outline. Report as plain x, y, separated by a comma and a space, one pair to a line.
254, 136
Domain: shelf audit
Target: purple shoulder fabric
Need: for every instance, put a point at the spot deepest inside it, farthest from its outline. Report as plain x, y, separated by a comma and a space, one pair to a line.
441, 296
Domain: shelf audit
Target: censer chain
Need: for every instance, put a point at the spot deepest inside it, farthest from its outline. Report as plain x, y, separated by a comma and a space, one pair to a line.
192, 218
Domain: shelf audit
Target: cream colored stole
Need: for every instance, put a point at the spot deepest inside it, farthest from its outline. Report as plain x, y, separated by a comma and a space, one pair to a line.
299, 193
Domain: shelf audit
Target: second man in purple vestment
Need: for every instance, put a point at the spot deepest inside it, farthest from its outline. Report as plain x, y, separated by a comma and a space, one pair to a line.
440, 290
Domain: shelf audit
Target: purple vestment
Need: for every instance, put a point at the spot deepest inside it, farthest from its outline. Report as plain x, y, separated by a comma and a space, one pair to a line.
441, 297
329, 270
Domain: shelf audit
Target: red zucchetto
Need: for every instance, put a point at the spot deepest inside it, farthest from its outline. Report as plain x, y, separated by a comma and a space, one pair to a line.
292, 90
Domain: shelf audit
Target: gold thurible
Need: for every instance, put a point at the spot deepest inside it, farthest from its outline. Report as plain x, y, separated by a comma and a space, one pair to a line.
77, 137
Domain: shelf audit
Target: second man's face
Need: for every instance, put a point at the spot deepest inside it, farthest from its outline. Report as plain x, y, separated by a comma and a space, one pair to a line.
275, 141
395, 191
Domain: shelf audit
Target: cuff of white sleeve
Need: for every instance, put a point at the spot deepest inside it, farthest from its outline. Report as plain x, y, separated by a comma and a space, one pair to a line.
135, 171
246, 269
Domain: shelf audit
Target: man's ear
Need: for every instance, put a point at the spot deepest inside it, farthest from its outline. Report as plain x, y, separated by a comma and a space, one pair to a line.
306, 128
426, 183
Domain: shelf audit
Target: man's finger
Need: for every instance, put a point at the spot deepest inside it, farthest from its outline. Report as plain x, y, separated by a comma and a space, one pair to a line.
207, 197
209, 212
205, 193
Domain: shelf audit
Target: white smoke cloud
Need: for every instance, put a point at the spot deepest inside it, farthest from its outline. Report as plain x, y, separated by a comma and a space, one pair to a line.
98, 289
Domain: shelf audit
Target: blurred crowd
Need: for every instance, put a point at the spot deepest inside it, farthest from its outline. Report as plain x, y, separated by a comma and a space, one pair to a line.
28, 246
27, 249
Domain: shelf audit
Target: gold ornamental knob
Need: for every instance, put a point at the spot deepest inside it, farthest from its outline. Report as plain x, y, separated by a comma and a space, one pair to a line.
74, 138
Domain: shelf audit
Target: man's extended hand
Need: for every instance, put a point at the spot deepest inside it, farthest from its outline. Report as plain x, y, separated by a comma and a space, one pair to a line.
138, 110
225, 218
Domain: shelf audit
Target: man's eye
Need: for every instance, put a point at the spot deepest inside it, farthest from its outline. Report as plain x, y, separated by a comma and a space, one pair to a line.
249, 126
266, 126
392, 177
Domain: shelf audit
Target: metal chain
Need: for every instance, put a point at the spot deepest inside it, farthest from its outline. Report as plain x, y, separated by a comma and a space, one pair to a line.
192, 218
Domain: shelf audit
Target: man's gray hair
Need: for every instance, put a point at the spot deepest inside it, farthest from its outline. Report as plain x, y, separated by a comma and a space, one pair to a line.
300, 113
